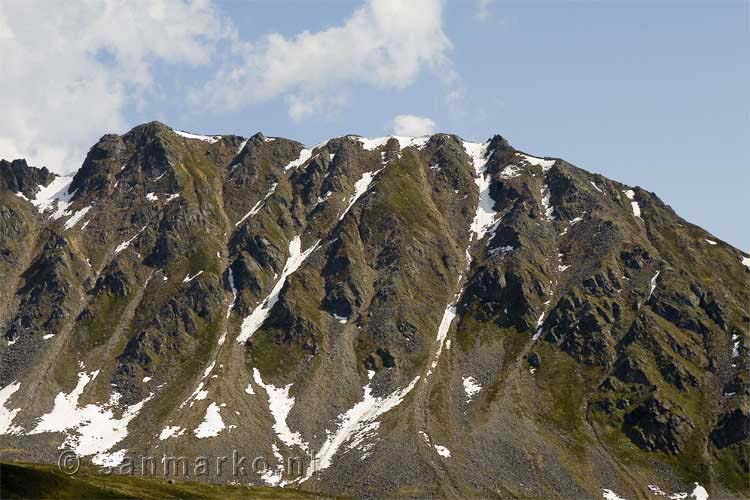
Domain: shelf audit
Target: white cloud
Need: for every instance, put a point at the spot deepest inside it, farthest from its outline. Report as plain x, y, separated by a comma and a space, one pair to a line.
385, 43
412, 125
483, 9
69, 69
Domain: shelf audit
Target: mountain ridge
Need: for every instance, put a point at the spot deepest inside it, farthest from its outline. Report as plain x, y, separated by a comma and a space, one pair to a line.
447, 285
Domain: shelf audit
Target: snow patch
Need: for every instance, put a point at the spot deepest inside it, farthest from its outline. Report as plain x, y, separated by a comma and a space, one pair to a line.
212, 423
710, 242
510, 172
735, 345
254, 321
205, 138
48, 336
442, 451
7, 415
304, 155
280, 404
92, 429
55, 195
324, 198
549, 210
152, 197
634, 204
596, 187
545, 164
611, 495
471, 387
403, 141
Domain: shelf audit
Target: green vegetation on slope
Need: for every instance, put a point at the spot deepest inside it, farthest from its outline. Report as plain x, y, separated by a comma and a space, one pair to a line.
45, 481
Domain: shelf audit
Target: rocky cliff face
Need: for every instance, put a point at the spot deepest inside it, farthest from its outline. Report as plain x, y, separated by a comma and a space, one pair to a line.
413, 317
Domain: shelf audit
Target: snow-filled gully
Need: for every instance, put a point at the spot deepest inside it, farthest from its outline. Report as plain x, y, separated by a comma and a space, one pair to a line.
255, 320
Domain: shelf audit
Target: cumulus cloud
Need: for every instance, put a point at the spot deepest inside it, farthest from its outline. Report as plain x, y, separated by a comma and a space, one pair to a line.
412, 125
385, 43
69, 69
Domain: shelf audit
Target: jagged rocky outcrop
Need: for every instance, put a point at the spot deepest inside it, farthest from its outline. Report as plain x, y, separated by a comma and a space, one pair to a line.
417, 317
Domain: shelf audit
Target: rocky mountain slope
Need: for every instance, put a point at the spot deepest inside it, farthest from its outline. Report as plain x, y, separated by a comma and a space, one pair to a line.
411, 317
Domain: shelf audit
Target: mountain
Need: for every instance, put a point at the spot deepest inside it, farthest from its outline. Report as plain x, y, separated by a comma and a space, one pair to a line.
410, 317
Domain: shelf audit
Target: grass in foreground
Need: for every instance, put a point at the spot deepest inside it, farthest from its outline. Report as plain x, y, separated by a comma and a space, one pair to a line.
37, 481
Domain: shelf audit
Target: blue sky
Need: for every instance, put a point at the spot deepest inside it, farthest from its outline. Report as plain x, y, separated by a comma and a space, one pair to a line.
649, 93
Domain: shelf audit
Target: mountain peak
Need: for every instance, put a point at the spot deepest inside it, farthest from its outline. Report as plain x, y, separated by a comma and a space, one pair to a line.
390, 301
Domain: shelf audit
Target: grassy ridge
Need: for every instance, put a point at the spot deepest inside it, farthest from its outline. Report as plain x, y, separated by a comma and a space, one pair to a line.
21, 480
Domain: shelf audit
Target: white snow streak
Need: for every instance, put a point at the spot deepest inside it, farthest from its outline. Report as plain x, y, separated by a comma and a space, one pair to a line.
549, 210
125, 244
254, 321
256, 208
485, 214
634, 204
205, 138
653, 285
234, 294
189, 278
360, 188
735, 345
445, 325
596, 187
304, 155
358, 423
76, 218
710, 242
